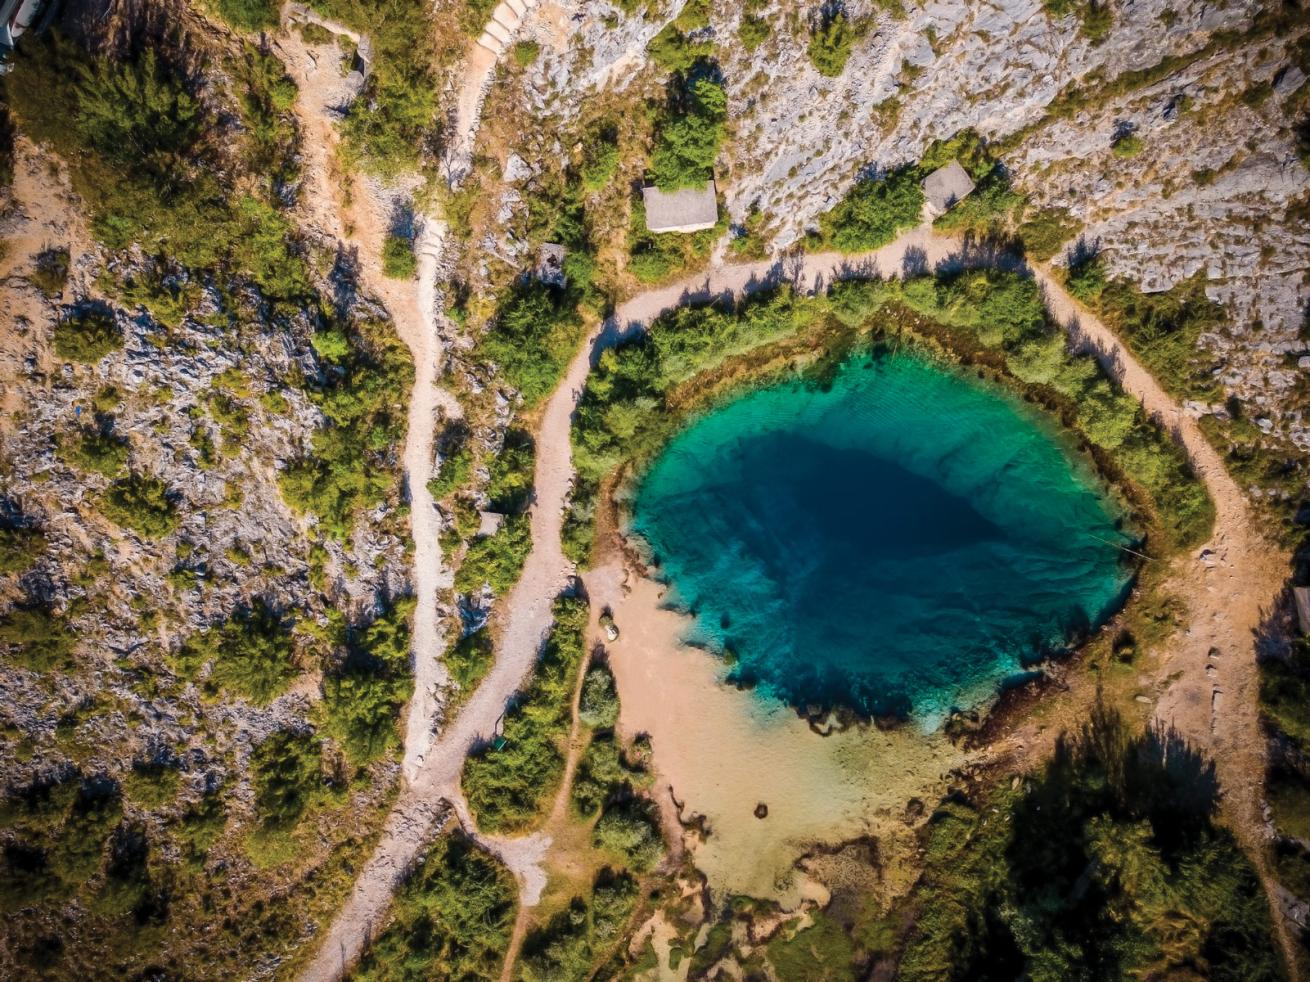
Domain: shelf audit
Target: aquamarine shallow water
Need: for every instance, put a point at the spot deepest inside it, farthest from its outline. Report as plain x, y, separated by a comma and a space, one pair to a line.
905, 541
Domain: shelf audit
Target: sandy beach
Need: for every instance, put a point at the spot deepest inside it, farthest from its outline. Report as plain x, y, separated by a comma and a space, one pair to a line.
721, 752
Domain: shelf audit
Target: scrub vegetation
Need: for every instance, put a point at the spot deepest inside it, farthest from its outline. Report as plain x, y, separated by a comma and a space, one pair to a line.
1108, 864
509, 784
450, 919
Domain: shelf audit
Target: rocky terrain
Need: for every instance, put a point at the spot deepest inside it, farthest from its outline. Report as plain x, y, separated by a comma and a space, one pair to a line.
212, 472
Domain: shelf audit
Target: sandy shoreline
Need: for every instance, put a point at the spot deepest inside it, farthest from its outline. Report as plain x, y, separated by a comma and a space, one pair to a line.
722, 751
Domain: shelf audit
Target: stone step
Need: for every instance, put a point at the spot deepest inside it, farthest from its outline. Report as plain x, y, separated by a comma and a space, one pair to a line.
506, 18
518, 6
491, 44
498, 32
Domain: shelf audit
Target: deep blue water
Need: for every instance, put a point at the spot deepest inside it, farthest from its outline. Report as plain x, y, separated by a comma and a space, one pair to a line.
902, 542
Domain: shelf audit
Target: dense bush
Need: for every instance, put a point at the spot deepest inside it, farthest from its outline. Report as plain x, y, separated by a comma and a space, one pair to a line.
599, 704
351, 465
673, 48
605, 774
248, 15
630, 829
398, 259
1285, 693
874, 211
251, 655
469, 658
509, 487
363, 697
496, 560
689, 135
36, 638
453, 474
450, 919
19, 548
509, 788
566, 945
95, 452
535, 332
1044, 233
87, 335
141, 503
831, 42
1109, 866
288, 777
1095, 17
50, 271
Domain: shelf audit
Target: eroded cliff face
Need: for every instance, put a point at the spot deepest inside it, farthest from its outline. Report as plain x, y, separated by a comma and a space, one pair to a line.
1211, 93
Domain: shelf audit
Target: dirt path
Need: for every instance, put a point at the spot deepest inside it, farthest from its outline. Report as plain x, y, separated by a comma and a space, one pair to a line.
1225, 600
1211, 693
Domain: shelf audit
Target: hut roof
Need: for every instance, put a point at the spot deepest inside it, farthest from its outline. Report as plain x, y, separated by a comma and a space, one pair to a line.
1302, 595
688, 210
945, 186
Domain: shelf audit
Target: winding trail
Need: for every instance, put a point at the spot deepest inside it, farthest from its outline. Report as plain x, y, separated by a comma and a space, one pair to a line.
1226, 600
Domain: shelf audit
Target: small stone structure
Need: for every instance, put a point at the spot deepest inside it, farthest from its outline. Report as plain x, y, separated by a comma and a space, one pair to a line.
550, 264
489, 523
946, 187
688, 210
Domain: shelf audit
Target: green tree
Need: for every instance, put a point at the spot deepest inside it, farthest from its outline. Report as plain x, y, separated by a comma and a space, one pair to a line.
87, 335
831, 43
689, 137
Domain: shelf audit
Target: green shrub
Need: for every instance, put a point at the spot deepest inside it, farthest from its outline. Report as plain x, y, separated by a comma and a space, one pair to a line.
362, 700
287, 769
248, 15
830, 44
631, 830
600, 159
496, 560
605, 775
753, 32
874, 211
351, 464
509, 788
599, 705
456, 467
689, 135
19, 548
469, 659
87, 335
1086, 276
267, 102
1128, 145
50, 271
526, 52
95, 452
1095, 17
672, 49
37, 639
474, 16
142, 504
1046, 232
80, 845
1289, 799
509, 489
535, 333
450, 919
251, 655
398, 259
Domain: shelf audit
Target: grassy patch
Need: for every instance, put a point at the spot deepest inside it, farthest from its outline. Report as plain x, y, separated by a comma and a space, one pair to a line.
831, 42
398, 259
